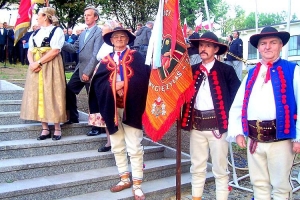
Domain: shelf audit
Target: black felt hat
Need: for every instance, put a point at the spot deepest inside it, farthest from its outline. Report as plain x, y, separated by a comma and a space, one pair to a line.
108, 35
267, 32
210, 37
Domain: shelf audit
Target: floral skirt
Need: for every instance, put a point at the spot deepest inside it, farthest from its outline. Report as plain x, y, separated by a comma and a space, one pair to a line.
96, 120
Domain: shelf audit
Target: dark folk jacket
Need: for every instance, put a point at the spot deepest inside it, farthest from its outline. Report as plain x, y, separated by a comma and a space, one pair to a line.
101, 95
224, 84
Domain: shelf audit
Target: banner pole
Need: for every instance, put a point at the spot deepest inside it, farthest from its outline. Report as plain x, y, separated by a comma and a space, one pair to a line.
178, 160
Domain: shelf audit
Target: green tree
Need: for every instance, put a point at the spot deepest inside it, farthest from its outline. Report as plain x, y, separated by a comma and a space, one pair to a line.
189, 10
231, 23
129, 12
69, 12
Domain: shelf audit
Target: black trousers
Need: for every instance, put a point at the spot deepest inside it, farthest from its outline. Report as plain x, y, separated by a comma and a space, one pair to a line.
23, 55
74, 87
12, 55
2, 53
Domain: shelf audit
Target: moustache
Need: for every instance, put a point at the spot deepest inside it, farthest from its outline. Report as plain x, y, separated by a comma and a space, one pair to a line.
203, 52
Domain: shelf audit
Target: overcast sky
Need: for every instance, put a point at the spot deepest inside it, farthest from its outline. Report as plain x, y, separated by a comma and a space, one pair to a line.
267, 6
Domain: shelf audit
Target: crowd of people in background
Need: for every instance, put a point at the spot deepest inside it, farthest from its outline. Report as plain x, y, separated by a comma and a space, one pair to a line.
17, 53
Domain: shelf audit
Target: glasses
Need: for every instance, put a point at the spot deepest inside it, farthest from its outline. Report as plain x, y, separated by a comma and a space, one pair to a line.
122, 37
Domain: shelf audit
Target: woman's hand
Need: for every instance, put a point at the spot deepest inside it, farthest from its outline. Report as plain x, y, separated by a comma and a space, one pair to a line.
35, 67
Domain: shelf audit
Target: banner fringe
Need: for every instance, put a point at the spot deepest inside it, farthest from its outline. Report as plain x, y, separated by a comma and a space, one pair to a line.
157, 135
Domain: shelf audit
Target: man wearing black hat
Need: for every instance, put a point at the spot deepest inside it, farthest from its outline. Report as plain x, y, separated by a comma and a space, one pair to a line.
206, 116
265, 110
120, 86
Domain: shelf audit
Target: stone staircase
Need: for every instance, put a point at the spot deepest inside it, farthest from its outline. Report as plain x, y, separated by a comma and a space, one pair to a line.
71, 168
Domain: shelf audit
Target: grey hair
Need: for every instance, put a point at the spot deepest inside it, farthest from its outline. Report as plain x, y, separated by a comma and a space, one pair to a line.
111, 24
150, 23
96, 12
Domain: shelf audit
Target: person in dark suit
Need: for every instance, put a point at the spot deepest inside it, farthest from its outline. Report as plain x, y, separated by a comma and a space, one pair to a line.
12, 50
71, 38
3, 42
236, 48
88, 45
206, 115
143, 37
192, 50
23, 45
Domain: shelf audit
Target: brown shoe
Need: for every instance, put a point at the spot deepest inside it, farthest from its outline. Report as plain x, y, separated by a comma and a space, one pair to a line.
118, 188
196, 198
136, 197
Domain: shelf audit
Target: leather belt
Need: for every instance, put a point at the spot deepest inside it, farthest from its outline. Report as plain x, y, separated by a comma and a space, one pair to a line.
263, 131
205, 120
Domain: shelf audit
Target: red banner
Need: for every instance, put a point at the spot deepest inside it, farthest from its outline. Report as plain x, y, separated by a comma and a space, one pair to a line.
170, 84
23, 19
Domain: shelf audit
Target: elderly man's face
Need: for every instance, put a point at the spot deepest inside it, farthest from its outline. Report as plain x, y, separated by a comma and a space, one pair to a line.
119, 39
269, 48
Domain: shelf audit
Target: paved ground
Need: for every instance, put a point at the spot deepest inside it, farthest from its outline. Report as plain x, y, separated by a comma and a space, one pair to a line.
237, 194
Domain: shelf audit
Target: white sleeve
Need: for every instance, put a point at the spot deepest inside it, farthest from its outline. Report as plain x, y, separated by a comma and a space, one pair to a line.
99, 55
296, 84
58, 39
30, 43
235, 127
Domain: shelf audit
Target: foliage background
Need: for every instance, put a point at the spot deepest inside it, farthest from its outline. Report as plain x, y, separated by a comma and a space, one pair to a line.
131, 12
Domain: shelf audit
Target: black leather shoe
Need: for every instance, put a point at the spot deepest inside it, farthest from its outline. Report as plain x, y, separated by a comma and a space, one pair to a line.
56, 137
104, 149
44, 137
70, 122
93, 133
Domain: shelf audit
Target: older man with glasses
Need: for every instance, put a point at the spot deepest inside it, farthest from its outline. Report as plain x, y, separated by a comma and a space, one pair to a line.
123, 77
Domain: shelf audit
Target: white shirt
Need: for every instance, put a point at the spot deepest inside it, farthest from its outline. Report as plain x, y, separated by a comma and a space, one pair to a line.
57, 41
116, 59
104, 50
261, 103
87, 32
203, 99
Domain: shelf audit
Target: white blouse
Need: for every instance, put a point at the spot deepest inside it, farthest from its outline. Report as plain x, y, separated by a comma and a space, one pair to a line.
57, 41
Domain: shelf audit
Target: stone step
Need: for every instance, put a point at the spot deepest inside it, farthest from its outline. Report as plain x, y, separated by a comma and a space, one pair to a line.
31, 167
10, 105
77, 183
158, 189
11, 94
33, 147
33, 130
9, 118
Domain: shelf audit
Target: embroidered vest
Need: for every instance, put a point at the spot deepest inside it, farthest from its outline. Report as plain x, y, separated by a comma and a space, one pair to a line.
46, 40
282, 75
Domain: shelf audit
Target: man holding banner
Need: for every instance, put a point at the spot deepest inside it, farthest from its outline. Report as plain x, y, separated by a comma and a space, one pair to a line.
206, 115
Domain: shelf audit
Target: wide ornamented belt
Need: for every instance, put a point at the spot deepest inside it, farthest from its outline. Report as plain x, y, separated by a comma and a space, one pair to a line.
263, 131
205, 120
